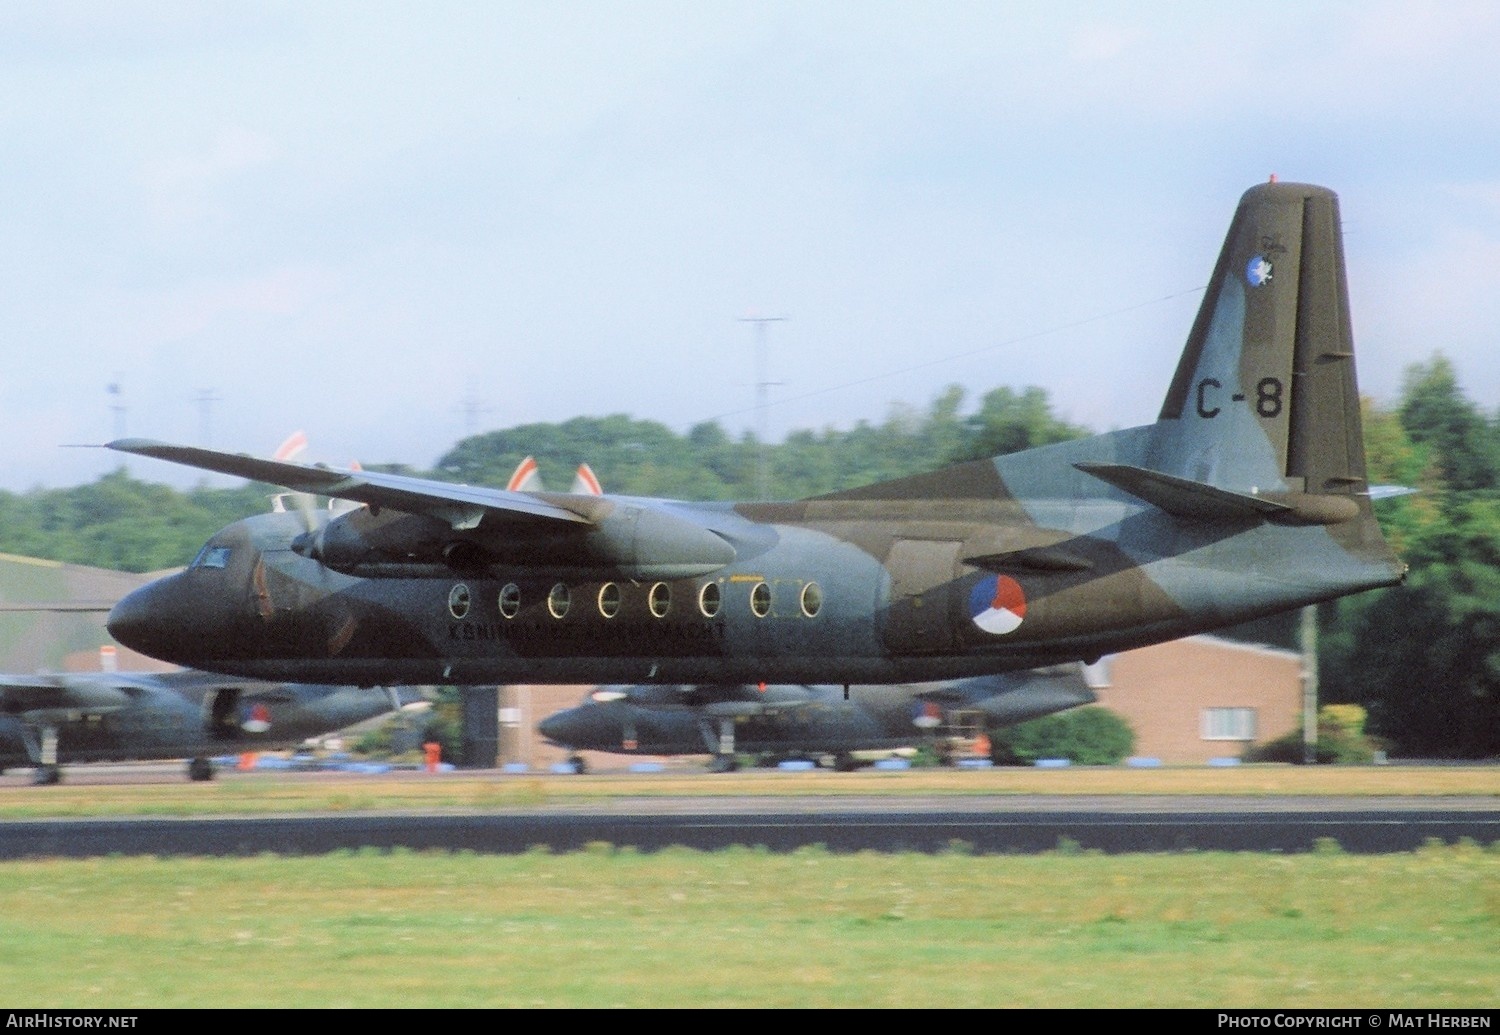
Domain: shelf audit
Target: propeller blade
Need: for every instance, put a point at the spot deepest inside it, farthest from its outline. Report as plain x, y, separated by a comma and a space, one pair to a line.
525, 478
586, 483
293, 447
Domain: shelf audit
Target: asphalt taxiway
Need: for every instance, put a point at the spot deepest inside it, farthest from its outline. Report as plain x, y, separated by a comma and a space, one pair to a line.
840, 823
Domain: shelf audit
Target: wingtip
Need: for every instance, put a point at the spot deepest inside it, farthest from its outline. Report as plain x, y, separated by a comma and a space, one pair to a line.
132, 445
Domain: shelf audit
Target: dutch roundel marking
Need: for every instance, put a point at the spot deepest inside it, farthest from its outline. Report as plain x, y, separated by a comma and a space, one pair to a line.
259, 719
998, 605
1257, 270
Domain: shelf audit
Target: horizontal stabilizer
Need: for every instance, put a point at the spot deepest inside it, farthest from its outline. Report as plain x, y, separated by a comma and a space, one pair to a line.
1183, 497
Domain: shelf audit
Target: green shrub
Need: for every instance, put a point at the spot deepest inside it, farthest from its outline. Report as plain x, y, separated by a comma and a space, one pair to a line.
403, 736
1341, 740
1086, 736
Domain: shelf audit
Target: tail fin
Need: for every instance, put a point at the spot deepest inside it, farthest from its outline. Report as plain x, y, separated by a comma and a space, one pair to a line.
1264, 398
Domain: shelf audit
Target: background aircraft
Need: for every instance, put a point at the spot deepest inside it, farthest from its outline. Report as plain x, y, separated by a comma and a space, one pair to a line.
1246, 497
47, 720
808, 721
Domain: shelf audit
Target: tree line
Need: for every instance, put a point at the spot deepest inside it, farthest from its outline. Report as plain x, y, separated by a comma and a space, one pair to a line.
1423, 658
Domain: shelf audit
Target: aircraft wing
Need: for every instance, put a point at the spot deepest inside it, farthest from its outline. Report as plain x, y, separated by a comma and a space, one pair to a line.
59, 606
25, 695
462, 506
717, 699
750, 709
1012, 697
641, 538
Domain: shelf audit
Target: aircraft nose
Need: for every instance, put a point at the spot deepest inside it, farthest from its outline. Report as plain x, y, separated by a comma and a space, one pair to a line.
555, 727
571, 728
150, 620
129, 618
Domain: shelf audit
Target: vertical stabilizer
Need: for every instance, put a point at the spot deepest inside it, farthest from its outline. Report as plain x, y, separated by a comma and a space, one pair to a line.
1264, 398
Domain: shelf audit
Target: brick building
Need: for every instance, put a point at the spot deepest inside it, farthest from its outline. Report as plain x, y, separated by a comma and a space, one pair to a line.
1203, 697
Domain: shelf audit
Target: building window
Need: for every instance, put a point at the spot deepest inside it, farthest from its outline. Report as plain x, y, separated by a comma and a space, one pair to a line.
1229, 724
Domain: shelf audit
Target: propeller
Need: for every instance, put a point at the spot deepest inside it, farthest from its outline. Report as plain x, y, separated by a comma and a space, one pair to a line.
289, 450
293, 447
527, 478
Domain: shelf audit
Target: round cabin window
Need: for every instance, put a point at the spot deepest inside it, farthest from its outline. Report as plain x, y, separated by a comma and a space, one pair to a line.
812, 599
760, 600
510, 601
558, 600
609, 599
709, 599
458, 600
660, 599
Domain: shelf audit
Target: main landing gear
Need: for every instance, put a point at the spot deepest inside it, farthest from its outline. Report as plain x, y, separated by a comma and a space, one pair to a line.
199, 770
42, 750
720, 744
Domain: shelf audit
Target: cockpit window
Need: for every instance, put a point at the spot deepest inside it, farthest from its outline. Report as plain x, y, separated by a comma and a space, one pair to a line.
212, 557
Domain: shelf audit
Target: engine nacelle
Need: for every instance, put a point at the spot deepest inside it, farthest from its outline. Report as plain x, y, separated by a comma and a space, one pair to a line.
638, 542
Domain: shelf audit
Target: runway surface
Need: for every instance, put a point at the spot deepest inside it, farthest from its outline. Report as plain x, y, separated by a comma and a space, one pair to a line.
845, 818
842, 825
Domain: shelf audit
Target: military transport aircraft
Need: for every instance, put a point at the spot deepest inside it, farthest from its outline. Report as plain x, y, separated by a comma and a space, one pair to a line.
1246, 497
127, 716
807, 721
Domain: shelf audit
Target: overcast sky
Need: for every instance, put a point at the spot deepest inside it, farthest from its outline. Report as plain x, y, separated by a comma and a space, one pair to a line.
393, 224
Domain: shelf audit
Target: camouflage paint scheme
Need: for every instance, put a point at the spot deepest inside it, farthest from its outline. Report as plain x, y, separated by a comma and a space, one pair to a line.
1248, 496
116, 717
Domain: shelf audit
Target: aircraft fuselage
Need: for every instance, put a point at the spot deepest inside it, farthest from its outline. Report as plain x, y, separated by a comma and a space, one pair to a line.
186, 715
1247, 496
819, 592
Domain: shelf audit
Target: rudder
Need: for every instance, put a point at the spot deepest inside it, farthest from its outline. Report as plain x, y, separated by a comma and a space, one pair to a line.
1264, 398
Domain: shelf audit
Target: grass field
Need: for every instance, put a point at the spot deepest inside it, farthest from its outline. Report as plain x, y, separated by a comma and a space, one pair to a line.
742, 928
262, 794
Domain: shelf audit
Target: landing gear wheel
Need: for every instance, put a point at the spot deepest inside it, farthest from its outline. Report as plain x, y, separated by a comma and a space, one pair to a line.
723, 764
579, 765
844, 764
46, 776
200, 769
